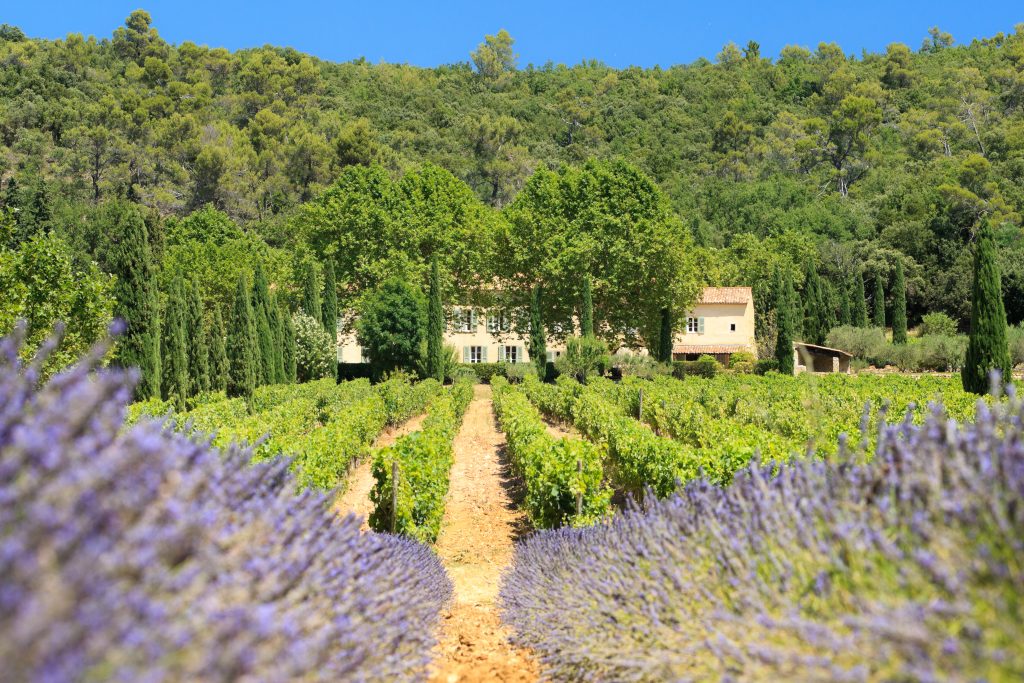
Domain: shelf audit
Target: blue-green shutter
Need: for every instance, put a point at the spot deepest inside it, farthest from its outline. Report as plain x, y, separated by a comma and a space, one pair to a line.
700, 325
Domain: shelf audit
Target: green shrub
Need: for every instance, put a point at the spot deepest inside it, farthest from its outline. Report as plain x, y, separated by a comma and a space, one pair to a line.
584, 357
938, 324
1015, 336
636, 365
316, 354
485, 371
765, 365
516, 372
742, 362
705, 366
866, 343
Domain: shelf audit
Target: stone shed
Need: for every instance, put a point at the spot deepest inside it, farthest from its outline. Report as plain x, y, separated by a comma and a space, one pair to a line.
815, 358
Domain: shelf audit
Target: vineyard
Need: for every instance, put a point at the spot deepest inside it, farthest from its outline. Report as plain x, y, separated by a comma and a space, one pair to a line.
812, 528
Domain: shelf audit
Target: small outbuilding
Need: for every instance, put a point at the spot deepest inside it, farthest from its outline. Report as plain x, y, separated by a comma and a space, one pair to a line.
815, 358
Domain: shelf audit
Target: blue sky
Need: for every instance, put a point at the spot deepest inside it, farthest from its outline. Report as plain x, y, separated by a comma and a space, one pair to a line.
619, 33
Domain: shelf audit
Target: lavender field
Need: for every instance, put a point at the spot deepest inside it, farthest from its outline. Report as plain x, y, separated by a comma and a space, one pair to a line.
140, 554
909, 567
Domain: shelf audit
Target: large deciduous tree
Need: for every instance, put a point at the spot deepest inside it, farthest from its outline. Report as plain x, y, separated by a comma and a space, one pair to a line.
987, 349
608, 220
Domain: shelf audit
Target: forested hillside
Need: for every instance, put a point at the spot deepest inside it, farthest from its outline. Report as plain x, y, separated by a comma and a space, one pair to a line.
856, 162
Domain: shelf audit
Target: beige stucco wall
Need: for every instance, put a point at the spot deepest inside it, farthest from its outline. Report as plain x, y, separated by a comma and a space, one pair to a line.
717, 318
349, 350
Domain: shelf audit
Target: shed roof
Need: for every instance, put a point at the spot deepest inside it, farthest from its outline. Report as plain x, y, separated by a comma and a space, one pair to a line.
817, 347
726, 295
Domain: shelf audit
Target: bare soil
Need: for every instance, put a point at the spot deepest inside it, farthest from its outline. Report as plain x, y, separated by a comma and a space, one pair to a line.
480, 526
359, 483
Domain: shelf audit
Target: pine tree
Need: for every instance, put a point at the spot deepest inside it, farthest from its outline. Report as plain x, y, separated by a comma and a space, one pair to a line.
135, 296
538, 335
899, 307
988, 348
195, 332
785, 313
277, 332
845, 314
290, 365
218, 355
859, 303
435, 325
264, 335
330, 299
174, 355
311, 292
665, 336
879, 302
241, 344
587, 309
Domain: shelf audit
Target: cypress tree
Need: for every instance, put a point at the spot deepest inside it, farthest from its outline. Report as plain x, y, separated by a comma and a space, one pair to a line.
264, 335
665, 336
879, 317
218, 355
784, 319
277, 333
241, 344
435, 325
859, 303
290, 365
174, 356
198, 351
988, 348
813, 307
845, 314
311, 292
587, 310
899, 307
538, 335
330, 300
135, 296
829, 306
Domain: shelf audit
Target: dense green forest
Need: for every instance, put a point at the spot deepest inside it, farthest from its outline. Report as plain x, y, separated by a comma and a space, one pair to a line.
724, 171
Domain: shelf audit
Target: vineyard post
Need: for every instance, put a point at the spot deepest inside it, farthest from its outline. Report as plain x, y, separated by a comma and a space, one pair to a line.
640, 407
394, 493
579, 495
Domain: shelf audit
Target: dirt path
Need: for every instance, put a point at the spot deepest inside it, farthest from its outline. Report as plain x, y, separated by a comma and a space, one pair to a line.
480, 525
360, 480
560, 430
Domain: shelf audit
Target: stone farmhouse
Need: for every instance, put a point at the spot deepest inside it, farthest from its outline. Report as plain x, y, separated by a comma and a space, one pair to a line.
720, 324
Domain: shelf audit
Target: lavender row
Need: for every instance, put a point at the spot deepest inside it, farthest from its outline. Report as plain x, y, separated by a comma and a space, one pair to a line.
143, 555
907, 568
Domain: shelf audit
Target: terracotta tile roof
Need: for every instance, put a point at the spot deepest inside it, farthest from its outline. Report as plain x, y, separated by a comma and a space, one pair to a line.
726, 295
709, 348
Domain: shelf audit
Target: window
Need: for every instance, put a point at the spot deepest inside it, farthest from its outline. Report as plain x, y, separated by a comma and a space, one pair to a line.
691, 326
552, 355
732, 327
509, 354
499, 321
464, 320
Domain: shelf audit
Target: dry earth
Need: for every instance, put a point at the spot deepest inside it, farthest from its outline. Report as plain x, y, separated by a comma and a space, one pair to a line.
480, 526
